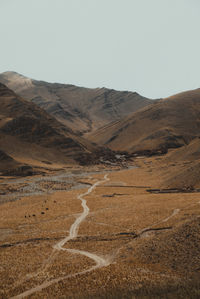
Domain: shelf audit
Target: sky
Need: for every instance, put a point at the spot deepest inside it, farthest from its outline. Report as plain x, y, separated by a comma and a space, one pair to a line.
148, 46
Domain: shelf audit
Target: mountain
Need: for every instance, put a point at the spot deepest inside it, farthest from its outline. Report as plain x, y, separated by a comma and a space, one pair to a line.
81, 109
168, 123
30, 136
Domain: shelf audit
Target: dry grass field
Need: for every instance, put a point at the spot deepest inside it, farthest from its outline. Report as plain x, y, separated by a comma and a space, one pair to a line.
150, 242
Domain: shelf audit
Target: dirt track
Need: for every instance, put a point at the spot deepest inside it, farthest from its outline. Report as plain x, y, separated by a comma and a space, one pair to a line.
73, 232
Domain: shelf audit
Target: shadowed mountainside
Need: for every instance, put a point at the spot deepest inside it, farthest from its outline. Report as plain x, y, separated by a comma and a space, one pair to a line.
167, 123
81, 109
29, 135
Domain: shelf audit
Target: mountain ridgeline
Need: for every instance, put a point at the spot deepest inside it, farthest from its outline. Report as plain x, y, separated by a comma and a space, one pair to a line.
168, 123
81, 109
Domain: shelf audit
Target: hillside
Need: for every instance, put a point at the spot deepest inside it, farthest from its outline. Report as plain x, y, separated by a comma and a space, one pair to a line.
30, 136
167, 123
185, 170
178, 170
81, 109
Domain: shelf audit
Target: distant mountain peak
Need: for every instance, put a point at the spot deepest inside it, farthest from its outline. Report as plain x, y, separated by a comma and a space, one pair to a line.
12, 73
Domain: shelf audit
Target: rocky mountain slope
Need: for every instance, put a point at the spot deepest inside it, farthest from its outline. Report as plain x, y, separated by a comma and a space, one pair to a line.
30, 136
167, 123
81, 109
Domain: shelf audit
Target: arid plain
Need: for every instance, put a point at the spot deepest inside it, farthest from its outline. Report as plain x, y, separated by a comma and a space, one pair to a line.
149, 240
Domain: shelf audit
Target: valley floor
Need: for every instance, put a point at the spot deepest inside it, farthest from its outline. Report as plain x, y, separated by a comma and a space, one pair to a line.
122, 242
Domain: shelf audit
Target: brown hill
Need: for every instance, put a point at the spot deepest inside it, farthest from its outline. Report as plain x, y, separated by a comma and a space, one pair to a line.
185, 170
81, 109
187, 153
178, 170
167, 123
30, 136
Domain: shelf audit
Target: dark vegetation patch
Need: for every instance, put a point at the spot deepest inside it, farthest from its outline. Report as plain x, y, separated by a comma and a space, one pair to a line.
24, 170
7, 245
186, 190
99, 156
113, 195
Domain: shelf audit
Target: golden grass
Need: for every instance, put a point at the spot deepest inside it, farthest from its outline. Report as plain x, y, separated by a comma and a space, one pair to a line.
118, 214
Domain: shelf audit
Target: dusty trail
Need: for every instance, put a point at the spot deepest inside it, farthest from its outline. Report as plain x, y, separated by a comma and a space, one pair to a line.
100, 261
175, 212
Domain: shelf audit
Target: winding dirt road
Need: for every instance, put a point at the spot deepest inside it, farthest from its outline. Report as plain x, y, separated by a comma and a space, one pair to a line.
100, 261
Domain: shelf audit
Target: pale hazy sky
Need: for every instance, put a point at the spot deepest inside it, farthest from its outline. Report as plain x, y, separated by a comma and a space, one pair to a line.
148, 46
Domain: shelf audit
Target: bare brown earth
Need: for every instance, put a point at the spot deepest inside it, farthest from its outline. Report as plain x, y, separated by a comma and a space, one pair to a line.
167, 123
81, 109
150, 240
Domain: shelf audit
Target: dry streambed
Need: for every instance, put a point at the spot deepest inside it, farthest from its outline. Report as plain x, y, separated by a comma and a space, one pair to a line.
14, 189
